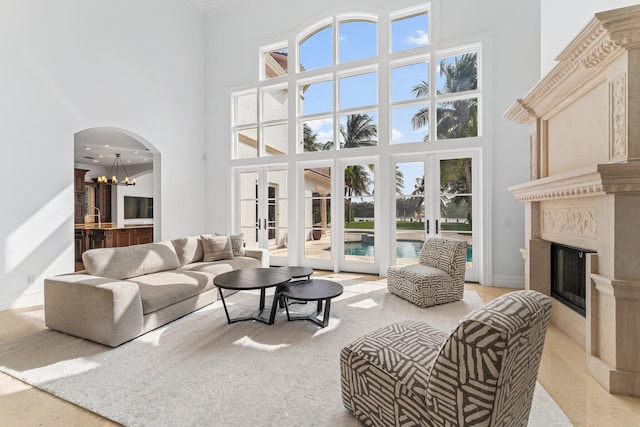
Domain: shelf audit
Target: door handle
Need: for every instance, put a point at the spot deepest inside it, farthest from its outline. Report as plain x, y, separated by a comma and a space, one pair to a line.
427, 226
437, 231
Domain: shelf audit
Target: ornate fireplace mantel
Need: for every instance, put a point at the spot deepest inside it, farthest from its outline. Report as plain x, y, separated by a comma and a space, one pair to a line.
585, 188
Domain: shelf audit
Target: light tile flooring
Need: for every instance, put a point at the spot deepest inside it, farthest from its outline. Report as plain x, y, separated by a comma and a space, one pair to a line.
562, 373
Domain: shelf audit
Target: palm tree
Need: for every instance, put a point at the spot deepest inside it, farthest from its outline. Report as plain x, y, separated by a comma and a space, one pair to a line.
399, 181
356, 184
359, 131
310, 139
455, 119
421, 118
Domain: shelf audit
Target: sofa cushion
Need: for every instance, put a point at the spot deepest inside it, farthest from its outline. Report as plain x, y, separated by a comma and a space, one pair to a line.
219, 267
159, 290
130, 261
189, 249
216, 248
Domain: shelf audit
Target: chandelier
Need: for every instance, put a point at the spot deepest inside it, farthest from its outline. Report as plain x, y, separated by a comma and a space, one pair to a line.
117, 164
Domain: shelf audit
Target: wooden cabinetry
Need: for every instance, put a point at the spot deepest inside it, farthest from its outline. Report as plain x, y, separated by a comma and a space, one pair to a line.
115, 238
79, 245
103, 201
143, 235
78, 195
121, 237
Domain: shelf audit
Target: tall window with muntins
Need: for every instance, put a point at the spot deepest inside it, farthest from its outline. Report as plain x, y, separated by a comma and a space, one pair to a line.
315, 115
409, 104
275, 62
274, 121
316, 50
432, 94
245, 125
357, 40
342, 106
358, 110
346, 95
457, 96
409, 31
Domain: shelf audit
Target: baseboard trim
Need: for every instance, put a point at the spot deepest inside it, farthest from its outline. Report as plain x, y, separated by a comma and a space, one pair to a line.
9, 302
516, 282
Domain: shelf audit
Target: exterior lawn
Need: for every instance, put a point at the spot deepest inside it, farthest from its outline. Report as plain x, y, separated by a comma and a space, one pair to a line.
409, 225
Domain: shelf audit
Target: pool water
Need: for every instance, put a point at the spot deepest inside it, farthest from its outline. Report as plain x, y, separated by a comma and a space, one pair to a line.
405, 249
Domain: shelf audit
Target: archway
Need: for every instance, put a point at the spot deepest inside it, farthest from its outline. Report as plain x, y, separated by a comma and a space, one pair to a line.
108, 215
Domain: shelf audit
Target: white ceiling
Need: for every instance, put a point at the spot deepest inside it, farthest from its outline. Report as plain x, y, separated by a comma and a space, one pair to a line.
98, 147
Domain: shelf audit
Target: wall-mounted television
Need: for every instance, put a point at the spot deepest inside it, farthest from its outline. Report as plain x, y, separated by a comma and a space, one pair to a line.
138, 207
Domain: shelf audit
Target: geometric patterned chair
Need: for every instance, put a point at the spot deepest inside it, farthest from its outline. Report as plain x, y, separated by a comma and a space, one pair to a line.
482, 373
438, 278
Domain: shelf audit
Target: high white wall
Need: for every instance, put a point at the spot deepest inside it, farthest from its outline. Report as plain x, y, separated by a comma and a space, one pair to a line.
562, 20
233, 39
68, 65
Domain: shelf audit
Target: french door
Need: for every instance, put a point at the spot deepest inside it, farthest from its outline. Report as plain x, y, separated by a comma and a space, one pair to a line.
339, 210
261, 210
434, 195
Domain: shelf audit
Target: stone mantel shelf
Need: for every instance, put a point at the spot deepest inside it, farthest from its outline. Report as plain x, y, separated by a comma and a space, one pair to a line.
597, 45
597, 180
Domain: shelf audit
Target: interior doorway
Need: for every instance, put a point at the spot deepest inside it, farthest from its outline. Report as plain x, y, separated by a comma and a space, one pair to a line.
101, 208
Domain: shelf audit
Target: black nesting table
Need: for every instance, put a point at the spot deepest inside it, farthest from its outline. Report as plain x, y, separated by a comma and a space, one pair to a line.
319, 290
297, 273
249, 279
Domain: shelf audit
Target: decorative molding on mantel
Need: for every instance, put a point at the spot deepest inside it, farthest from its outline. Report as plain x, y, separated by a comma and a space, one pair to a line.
613, 178
579, 222
603, 40
621, 289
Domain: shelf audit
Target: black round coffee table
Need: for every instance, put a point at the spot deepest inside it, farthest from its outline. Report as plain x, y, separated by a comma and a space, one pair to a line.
249, 279
320, 290
297, 272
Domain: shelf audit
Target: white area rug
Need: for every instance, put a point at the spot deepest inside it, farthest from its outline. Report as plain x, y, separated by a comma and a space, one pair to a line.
199, 370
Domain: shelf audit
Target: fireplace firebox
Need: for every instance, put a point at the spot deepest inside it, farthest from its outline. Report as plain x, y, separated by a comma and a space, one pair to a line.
568, 276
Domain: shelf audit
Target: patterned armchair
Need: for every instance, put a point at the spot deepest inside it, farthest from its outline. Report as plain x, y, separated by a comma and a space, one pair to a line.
482, 373
438, 278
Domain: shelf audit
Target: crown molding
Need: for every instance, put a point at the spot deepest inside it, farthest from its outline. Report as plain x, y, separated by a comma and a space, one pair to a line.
605, 38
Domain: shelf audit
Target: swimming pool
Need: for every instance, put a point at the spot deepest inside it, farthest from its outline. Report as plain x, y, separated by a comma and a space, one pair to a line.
404, 249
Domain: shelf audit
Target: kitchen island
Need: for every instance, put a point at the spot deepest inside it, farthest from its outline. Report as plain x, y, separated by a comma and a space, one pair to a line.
109, 235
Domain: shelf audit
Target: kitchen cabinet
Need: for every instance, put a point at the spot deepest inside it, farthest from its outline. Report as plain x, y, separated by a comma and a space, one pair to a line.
103, 201
92, 238
143, 235
121, 237
78, 195
79, 245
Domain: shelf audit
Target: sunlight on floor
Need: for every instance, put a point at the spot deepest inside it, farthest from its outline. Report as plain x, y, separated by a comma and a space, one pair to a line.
333, 324
365, 303
249, 343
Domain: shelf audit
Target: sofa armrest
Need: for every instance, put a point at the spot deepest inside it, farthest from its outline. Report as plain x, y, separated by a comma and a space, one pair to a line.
96, 308
260, 254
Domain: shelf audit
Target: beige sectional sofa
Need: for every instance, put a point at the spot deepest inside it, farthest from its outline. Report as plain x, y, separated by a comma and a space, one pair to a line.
126, 292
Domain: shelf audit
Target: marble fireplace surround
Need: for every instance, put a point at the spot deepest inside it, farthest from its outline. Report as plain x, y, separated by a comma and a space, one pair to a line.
584, 190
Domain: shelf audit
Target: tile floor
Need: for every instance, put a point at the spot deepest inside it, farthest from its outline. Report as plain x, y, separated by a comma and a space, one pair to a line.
562, 373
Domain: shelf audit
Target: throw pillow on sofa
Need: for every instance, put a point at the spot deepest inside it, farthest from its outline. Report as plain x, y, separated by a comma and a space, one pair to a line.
216, 248
236, 244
